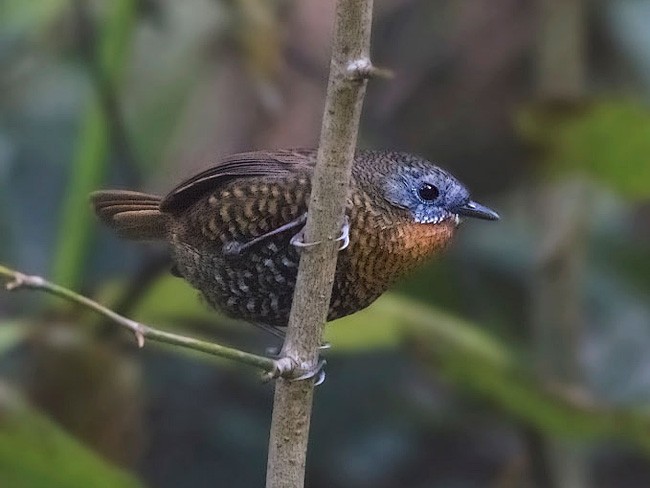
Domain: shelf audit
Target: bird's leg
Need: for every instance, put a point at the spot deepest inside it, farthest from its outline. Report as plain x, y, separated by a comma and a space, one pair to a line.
235, 248
279, 333
271, 351
298, 242
270, 329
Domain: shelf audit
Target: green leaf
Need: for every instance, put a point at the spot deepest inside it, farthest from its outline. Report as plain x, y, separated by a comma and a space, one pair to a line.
171, 298
609, 140
479, 364
91, 153
11, 334
34, 452
30, 17
159, 117
385, 322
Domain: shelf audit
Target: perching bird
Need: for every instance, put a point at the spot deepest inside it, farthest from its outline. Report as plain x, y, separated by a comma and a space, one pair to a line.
231, 229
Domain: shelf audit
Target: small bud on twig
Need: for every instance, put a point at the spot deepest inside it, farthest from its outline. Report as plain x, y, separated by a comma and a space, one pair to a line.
363, 69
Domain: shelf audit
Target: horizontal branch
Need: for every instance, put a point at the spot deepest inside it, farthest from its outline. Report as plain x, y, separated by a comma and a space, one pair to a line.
16, 280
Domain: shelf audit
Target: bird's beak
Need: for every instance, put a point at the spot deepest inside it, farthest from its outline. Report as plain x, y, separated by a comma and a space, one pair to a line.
473, 209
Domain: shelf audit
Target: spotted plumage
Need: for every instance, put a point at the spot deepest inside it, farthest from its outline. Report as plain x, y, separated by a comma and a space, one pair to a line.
230, 227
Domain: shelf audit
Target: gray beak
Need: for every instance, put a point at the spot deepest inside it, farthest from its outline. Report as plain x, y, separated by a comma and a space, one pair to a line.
476, 210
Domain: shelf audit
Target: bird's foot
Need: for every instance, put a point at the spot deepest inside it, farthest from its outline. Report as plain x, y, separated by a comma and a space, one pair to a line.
274, 331
285, 367
298, 239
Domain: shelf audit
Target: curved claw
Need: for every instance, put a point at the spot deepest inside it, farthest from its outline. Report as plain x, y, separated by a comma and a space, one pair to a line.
345, 234
318, 373
297, 240
320, 379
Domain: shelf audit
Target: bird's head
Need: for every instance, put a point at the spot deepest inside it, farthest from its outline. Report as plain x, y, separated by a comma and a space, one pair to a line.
429, 193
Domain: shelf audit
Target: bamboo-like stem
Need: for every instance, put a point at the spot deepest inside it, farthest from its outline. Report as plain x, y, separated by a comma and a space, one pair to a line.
16, 280
89, 164
556, 298
349, 70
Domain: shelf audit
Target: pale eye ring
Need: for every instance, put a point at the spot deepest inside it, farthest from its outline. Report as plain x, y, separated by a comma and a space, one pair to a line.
428, 192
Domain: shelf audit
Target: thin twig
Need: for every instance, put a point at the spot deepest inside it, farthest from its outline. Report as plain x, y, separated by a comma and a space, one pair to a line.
16, 280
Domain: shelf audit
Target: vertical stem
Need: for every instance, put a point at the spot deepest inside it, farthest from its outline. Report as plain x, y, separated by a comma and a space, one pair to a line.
88, 166
557, 313
561, 69
349, 69
556, 301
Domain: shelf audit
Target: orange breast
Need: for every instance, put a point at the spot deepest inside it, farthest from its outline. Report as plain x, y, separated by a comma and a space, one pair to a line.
419, 241
378, 255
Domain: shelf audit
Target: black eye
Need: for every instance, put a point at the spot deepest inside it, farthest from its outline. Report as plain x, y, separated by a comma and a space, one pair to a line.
428, 192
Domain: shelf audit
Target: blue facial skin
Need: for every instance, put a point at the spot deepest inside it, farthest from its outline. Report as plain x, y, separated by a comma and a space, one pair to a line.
431, 194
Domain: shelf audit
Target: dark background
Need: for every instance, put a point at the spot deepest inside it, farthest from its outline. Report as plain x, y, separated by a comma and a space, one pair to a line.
519, 359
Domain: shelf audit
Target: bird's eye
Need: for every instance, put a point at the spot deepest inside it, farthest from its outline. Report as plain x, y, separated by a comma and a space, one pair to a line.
428, 192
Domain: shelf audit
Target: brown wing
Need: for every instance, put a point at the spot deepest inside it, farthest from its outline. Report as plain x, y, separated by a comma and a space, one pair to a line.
258, 163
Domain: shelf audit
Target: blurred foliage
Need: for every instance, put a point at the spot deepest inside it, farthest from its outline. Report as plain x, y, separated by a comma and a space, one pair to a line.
609, 140
34, 452
258, 34
470, 357
31, 16
416, 395
11, 335
473, 358
171, 298
88, 167
460, 350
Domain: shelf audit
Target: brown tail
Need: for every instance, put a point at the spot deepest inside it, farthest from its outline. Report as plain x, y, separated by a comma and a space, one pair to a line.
131, 214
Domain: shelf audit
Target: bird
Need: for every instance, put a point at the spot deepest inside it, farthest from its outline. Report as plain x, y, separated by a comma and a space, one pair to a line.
234, 230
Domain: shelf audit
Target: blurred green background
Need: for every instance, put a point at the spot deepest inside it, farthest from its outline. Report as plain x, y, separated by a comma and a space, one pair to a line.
519, 359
